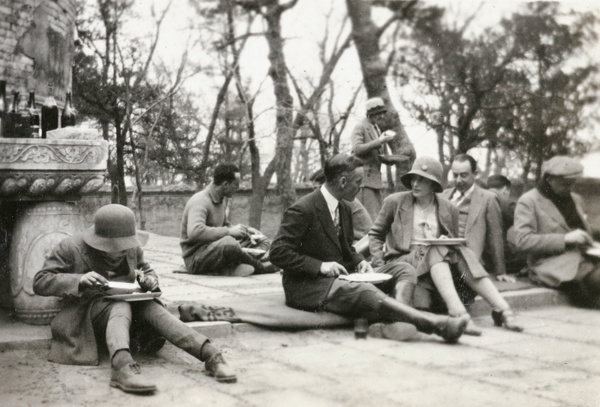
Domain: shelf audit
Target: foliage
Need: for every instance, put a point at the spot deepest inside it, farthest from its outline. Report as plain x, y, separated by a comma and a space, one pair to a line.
514, 89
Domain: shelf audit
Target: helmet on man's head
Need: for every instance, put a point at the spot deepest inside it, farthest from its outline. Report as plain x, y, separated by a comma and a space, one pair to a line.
114, 230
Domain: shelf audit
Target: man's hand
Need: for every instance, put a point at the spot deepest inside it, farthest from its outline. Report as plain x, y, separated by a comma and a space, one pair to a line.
385, 138
506, 278
332, 269
238, 231
365, 267
578, 237
148, 283
92, 279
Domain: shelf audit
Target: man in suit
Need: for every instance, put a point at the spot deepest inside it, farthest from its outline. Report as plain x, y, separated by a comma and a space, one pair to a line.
368, 143
551, 227
480, 219
314, 247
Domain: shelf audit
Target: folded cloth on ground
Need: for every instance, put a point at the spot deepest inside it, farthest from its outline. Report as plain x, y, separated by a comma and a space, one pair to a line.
268, 310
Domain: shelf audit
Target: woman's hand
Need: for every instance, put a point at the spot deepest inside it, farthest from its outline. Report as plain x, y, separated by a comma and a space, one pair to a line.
92, 279
148, 283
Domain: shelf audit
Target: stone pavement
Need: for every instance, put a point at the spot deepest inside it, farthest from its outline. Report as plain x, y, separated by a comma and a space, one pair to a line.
553, 363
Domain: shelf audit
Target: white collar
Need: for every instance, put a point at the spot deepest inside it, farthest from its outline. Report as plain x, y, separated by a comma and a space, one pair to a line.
466, 194
332, 202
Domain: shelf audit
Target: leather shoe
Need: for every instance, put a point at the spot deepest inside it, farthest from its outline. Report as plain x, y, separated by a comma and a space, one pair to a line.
397, 331
130, 379
507, 320
453, 327
218, 368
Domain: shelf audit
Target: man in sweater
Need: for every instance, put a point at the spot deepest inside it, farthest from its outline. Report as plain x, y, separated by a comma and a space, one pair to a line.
210, 243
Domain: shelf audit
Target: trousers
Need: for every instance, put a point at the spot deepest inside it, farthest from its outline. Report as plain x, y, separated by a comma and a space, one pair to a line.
113, 320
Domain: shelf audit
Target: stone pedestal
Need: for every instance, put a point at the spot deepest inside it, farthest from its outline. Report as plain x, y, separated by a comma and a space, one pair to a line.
39, 228
39, 181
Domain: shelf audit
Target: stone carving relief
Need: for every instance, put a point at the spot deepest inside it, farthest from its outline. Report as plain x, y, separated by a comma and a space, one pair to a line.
44, 153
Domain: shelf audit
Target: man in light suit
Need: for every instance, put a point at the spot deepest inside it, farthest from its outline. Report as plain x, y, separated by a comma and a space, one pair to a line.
369, 143
314, 247
551, 227
480, 219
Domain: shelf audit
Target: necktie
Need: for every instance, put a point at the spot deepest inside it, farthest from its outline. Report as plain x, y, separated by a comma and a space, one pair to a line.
336, 220
458, 197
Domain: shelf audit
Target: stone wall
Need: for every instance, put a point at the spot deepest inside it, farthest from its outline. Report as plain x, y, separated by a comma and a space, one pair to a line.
163, 209
36, 46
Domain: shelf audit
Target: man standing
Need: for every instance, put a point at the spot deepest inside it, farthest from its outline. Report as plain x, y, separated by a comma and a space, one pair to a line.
480, 219
368, 143
210, 244
314, 247
79, 269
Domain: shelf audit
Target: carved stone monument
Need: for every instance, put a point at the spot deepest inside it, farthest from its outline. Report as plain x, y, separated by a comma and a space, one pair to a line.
40, 179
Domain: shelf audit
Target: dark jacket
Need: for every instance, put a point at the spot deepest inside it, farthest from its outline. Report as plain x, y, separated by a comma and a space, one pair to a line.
73, 339
307, 238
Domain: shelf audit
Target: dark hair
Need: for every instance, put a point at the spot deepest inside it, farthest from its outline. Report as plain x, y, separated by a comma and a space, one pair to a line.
498, 181
318, 176
339, 165
224, 172
466, 157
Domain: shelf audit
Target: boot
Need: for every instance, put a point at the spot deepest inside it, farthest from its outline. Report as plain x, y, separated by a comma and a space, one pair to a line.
218, 368
449, 328
129, 378
404, 291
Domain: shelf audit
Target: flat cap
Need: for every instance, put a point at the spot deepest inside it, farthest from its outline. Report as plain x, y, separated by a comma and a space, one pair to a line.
562, 166
375, 106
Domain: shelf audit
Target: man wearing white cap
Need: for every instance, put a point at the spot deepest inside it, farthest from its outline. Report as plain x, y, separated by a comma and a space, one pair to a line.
368, 143
79, 269
551, 228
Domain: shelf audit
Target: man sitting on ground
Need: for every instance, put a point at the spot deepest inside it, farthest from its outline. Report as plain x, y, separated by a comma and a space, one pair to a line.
551, 227
501, 186
79, 269
480, 220
361, 221
210, 244
314, 247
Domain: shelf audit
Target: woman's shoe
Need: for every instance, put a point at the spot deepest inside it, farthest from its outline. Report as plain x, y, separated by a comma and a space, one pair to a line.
506, 319
473, 329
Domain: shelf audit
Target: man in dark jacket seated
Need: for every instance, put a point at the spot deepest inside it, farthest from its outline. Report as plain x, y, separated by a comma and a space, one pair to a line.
79, 270
314, 246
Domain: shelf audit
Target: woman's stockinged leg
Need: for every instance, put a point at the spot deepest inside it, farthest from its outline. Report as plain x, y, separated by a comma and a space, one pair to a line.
488, 291
442, 279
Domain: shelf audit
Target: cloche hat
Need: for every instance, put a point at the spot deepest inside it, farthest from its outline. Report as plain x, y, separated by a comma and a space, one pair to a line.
114, 230
562, 166
426, 167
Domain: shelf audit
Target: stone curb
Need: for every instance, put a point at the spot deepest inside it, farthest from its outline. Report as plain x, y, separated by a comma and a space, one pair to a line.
19, 336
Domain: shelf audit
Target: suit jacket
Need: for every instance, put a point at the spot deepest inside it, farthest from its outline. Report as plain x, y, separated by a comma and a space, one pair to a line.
307, 238
363, 133
539, 231
483, 230
73, 339
394, 226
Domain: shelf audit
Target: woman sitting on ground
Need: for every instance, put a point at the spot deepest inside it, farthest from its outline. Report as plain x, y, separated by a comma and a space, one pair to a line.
408, 217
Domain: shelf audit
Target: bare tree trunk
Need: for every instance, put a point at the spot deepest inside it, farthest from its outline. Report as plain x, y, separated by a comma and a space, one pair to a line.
366, 40
285, 132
